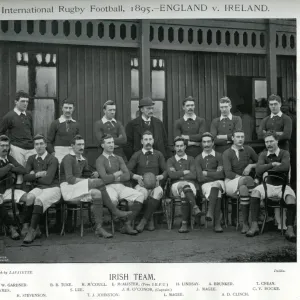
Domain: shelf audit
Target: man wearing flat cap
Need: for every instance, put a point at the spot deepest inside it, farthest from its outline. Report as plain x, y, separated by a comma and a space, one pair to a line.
146, 122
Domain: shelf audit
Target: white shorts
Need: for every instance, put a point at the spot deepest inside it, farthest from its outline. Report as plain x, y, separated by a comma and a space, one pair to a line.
206, 187
274, 191
156, 193
61, 152
181, 184
21, 155
231, 186
47, 196
117, 191
77, 191
17, 196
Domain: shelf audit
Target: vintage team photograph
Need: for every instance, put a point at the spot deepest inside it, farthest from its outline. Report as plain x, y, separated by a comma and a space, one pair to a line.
160, 141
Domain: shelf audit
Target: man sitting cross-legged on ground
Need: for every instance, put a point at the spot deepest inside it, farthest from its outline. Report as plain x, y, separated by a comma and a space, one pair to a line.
278, 161
238, 162
42, 171
181, 169
210, 175
9, 167
74, 186
144, 161
114, 173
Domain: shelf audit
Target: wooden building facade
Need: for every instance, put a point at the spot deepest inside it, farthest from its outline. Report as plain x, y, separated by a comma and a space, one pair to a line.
91, 61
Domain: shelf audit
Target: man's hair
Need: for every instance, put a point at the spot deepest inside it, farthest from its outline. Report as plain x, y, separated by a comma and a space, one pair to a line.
108, 102
274, 97
105, 136
68, 101
238, 131
225, 100
77, 137
189, 98
21, 94
39, 137
271, 133
207, 134
147, 132
179, 139
4, 138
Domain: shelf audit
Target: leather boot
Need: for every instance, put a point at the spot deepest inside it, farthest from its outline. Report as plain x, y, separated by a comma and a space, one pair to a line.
14, 233
185, 211
212, 203
190, 197
150, 226
127, 228
217, 215
233, 214
108, 203
30, 236
152, 205
97, 212
255, 209
25, 229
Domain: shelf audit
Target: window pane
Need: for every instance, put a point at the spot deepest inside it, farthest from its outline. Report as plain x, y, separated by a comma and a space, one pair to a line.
158, 84
22, 78
45, 82
134, 83
43, 115
157, 112
260, 89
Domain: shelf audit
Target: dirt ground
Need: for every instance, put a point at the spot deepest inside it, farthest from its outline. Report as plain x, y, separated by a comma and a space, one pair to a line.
200, 245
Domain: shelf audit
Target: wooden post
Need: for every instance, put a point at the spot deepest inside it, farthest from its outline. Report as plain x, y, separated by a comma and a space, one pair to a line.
271, 58
144, 60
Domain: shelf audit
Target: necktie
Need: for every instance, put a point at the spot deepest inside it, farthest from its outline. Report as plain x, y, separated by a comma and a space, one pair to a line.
148, 153
272, 156
147, 123
190, 119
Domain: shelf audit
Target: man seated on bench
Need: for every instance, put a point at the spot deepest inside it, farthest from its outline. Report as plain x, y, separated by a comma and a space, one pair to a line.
78, 183
210, 174
181, 169
42, 171
114, 173
8, 167
143, 161
278, 161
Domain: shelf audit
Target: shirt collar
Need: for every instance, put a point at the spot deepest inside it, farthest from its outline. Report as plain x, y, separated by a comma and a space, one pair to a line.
63, 119
107, 155
145, 151
179, 158
229, 117
5, 159
276, 152
42, 157
204, 154
185, 117
105, 120
278, 115
18, 112
236, 151
146, 120
73, 154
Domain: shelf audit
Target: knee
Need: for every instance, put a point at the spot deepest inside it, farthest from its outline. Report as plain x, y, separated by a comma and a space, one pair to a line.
38, 201
255, 194
290, 200
157, 193
243, 190
29, 199
216, 185
140, 198
95, 194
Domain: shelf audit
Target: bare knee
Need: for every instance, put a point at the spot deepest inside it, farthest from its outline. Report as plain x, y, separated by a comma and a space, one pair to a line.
140, 198
38, 201
95, 194
29, 199
255, 194
289, 199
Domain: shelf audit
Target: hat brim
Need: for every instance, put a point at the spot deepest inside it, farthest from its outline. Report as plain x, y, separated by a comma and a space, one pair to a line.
153, 103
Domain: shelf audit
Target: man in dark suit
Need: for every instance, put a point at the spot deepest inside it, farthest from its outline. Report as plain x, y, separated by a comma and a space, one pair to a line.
146, 122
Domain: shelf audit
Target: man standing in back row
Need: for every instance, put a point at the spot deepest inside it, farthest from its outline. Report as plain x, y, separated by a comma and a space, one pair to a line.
190, 127
109, 125
18, 125
223, 127
146, 122
62, 132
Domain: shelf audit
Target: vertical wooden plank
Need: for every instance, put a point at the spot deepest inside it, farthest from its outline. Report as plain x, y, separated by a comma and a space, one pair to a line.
63, 72
111, 77
11, 74
202, 84
4, 83
208, 86
118, 82
103, 76
214, 84
126, 86
170, 96
271, 59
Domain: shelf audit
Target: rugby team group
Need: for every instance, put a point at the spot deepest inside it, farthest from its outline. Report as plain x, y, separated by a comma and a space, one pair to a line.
213, 163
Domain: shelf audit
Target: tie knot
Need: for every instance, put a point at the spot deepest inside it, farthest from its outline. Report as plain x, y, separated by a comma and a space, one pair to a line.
148, 153
190, 119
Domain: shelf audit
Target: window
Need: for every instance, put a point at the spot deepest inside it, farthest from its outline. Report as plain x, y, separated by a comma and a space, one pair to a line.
37, 75
158, 87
